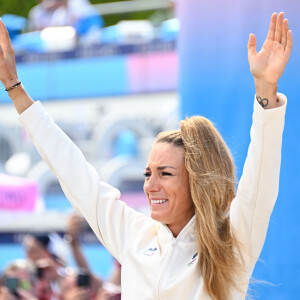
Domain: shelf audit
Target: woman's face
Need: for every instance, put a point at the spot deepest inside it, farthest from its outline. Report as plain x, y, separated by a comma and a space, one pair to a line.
34, 250
167, 187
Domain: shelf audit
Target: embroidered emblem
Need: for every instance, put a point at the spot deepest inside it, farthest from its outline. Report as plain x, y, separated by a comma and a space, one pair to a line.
150, 251
194, 258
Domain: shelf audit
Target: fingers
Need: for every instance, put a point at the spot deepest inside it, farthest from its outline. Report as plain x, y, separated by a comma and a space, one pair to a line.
7, 54
280, 33
284, 32
289, 45
272, 28
1, 50
252, 45
2, 37
287, 39
279, 28
5, 39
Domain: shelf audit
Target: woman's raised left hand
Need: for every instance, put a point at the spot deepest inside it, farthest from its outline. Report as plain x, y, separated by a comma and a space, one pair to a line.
268, 64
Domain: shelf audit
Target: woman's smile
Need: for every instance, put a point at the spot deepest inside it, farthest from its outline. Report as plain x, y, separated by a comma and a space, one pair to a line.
167, 187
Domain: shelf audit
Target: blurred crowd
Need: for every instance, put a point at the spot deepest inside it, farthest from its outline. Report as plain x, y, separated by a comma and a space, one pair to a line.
78, 23
45, 275
74, 21
51, 13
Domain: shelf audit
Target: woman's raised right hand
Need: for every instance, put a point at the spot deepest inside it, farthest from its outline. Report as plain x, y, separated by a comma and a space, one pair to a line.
8, 69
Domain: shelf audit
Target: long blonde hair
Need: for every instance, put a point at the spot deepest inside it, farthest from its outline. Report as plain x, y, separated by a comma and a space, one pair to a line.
212, 185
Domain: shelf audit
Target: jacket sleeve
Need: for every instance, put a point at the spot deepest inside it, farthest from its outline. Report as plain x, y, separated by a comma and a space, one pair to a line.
258, 188
113, 222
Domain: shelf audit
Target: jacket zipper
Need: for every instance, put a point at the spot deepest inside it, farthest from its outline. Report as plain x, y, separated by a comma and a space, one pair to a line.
166, 263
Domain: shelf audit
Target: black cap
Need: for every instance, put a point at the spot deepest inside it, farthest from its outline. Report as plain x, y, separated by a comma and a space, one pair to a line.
43, 239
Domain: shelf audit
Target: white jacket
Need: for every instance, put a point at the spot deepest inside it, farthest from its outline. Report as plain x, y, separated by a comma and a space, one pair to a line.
155, 265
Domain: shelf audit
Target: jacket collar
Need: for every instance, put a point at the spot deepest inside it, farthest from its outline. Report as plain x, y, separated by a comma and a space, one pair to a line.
187, 232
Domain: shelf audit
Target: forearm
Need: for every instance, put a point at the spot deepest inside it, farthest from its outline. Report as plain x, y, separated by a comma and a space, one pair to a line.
20, 98
110, 220
82, 263
78, 255
78, 179
258, 187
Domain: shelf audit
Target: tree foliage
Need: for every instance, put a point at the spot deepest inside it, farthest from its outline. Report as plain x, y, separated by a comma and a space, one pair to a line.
16, 7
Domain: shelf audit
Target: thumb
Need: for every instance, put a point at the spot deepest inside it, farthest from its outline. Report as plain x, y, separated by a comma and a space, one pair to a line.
252, 45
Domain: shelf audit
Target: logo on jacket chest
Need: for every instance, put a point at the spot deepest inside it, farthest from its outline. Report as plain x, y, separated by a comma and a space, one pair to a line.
194, 258
150, 251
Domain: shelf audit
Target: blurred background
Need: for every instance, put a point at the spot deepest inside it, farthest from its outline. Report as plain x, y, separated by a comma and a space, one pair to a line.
115, 73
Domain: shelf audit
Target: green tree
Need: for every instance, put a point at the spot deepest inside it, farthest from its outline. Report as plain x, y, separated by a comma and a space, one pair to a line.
16, 7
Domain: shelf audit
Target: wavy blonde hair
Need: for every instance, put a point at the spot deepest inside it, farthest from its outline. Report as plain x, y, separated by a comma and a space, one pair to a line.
212, 184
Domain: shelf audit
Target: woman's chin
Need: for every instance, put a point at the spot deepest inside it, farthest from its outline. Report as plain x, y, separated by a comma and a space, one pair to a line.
158, 216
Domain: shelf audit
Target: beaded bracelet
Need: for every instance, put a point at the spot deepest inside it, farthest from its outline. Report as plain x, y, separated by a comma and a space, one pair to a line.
12, 87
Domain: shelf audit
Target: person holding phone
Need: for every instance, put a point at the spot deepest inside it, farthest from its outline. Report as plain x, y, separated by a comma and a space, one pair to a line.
203, 238
77, 286
86, 277
18, 282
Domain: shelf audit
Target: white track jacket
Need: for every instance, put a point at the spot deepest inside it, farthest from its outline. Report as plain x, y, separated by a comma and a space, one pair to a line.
155, 265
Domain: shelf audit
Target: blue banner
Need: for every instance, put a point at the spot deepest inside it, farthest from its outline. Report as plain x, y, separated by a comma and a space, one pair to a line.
215, 82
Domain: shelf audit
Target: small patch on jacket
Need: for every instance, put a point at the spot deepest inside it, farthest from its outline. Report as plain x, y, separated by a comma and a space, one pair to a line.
150, 251
194, 258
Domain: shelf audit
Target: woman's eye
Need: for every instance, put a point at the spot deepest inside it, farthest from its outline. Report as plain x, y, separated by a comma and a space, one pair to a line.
166, 174
147, 174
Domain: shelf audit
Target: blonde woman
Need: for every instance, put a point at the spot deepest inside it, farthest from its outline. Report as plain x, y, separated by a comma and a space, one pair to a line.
203, 239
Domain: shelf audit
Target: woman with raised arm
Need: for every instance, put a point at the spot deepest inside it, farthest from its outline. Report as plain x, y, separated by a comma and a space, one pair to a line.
203, 238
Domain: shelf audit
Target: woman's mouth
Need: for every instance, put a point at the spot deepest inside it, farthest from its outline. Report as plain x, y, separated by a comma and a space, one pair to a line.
158, 201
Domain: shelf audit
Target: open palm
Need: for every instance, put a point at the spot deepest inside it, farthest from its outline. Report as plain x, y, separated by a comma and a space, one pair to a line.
269, 63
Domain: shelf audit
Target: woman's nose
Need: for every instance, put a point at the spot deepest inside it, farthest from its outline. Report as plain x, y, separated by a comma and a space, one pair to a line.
151, 184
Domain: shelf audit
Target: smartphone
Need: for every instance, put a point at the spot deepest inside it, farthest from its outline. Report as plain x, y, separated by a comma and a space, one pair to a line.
83, 279
40, 273
12, 283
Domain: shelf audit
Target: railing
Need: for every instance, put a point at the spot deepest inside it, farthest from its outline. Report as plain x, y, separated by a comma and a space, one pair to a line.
132, 6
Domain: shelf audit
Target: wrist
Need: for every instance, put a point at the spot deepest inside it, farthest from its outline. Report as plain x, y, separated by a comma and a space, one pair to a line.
8, 83
15, 91
70, 239
266, 93
265, 87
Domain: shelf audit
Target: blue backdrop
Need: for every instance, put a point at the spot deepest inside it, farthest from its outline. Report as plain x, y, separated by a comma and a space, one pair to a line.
215, 81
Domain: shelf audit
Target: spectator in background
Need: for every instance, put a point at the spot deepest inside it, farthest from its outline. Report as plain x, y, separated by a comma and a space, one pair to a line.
79, 14
48, 283
96, 289
18, 281
36, 247
42, 253
48, 13
41, 246
83, 17
90, 286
